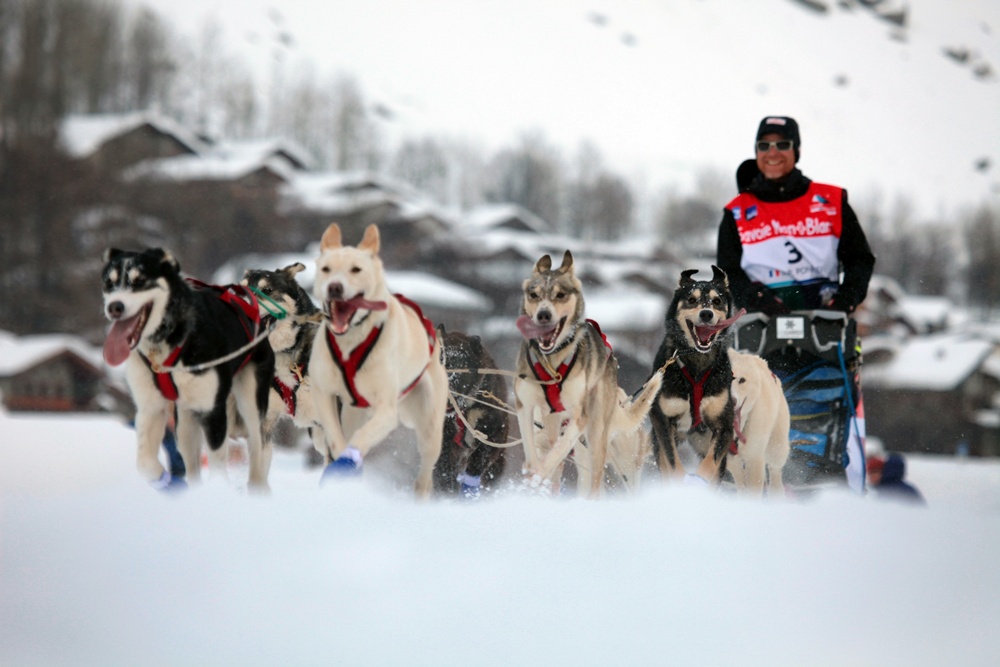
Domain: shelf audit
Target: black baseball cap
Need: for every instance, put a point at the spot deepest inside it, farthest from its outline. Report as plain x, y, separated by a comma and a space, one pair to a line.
783, 125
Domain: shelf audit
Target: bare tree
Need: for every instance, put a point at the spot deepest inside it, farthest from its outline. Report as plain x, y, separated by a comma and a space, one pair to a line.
356, 140
599, 203
529, 175
982, 239
151, 69
423, 164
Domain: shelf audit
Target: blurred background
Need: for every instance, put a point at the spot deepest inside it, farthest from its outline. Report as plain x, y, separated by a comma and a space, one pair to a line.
480, 136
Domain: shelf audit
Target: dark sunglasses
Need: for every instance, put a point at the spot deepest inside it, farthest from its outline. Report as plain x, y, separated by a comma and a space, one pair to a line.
783, 145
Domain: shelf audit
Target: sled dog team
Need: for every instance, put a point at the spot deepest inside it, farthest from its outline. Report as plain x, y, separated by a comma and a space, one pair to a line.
232, 360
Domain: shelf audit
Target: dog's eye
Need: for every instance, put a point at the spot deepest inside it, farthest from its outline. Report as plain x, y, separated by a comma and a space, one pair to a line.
533, 296
716, 301
355, 269
742, 380
560, 296
692, 301
325, 269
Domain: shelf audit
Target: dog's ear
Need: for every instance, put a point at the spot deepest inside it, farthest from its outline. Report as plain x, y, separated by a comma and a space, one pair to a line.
567, 263
544, 264
686, 278
331, 238
164, 257
293, 269
110, 254
719, 276
371, 240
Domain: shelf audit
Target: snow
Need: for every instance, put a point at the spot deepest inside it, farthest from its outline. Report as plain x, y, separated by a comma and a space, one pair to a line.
98, 569
20, 353
201, 168
663, 90
939, 362
82, 135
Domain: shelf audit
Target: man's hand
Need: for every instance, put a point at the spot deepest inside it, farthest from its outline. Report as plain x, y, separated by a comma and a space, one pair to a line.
838, 302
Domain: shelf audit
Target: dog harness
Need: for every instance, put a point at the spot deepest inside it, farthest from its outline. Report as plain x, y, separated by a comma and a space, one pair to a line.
553, 387
738, 436
287, 393
697, 393
237, 297
351, 364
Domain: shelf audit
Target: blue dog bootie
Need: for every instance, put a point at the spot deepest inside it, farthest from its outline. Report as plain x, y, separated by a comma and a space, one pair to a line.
346, 465
471, 488
168, 483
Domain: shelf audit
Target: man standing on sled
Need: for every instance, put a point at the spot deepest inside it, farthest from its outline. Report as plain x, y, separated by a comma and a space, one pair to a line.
784, 242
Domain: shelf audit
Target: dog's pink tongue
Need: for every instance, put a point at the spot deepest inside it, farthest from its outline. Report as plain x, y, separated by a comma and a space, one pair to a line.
530, 330
116, 345
709, 329
341, 312
361, 302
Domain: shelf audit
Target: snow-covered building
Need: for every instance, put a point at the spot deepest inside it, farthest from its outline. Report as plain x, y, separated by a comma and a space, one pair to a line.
115, 141
932, 393
56, 373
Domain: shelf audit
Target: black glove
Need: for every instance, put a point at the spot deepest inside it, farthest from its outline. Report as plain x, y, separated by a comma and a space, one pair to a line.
840, 302
766, 302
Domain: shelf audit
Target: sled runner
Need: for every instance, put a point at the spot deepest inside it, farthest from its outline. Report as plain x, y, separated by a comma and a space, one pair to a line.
816, 356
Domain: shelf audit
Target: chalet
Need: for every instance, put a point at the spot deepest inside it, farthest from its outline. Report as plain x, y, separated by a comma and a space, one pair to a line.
929, 393
56, 373
116, 141
408, 222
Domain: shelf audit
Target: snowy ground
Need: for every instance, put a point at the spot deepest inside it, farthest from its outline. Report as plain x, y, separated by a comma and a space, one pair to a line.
98, 569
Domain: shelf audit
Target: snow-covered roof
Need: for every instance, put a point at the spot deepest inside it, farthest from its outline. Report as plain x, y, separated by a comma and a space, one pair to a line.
423, 288
334, 192
926, 313
625, 310
429, 290
262, 149
82, 135
934, 363
19, 353
212, 168
488, 216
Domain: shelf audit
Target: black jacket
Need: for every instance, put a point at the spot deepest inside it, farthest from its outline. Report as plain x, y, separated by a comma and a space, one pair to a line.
855, 256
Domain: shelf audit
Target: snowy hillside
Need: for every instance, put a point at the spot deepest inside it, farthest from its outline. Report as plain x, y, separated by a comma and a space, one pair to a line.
664, 89
96, 569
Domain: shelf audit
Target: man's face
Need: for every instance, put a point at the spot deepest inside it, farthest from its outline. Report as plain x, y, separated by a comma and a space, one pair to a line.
774, 163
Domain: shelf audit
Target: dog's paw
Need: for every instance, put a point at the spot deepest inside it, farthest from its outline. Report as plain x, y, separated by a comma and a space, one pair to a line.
470, 487
169, 484
345, 466
691, 479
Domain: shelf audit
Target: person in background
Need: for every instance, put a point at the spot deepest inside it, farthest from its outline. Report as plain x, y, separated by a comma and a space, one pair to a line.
886, 477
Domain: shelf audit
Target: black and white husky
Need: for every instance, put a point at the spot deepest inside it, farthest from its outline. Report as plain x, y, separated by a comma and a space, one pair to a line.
177, 336
293, 319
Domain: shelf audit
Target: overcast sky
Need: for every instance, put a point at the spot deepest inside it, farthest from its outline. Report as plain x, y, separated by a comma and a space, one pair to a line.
663, 89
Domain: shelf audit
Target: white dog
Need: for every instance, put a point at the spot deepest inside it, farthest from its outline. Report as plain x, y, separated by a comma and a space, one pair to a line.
762, 425
378, 356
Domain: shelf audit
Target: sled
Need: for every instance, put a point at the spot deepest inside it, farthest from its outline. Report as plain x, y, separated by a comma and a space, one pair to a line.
810, 352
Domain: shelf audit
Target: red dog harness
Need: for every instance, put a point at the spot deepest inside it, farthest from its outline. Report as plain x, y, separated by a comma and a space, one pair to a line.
287, 393
351, 364
553, 388
697, 393
237, 297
